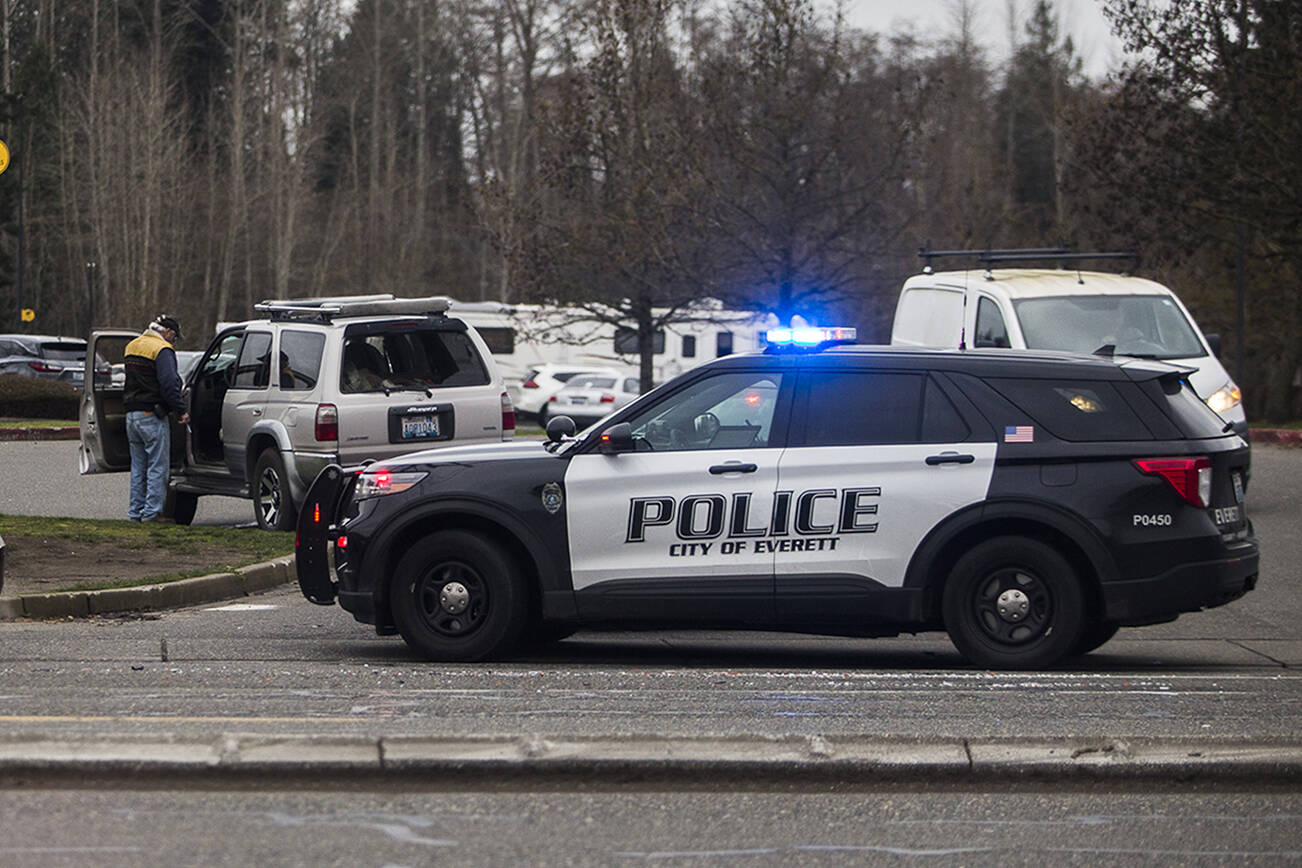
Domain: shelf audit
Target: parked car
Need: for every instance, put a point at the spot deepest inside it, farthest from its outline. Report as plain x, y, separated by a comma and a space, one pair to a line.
587, 398
48, 357
1028, 503
1058, 309
531, 395
274, 400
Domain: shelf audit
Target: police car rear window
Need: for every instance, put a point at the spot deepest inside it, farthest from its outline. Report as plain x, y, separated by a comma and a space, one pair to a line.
1075, 410
854, 408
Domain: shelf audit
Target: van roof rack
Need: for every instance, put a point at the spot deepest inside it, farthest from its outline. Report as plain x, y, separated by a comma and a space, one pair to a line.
326, 310
991, 257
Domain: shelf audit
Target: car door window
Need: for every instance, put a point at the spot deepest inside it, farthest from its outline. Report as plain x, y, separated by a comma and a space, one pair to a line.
725, 411
862, 408
253, 371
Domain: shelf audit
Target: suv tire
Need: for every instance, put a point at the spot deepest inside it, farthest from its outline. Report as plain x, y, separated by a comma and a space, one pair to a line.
458, 597
1094, 636
272, 505
1013, 603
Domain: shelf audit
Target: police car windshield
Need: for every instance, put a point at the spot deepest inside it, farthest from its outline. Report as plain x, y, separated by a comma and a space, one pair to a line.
1152, 326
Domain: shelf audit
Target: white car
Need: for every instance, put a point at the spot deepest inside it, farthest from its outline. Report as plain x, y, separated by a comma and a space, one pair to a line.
531, 395
589, 397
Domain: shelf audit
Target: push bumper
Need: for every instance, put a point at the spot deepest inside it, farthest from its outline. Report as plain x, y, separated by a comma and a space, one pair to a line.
1186, 588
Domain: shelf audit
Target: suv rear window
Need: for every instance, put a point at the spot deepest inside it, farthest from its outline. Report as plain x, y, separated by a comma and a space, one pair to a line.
1075, 410
379, 358
67, 351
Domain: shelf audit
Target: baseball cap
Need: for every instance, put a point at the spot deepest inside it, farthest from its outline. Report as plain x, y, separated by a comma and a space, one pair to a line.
167, 322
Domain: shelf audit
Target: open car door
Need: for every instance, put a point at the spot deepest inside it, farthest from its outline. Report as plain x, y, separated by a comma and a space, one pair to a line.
103, 420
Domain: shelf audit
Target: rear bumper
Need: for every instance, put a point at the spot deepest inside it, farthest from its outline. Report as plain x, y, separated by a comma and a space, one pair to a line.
1186, 588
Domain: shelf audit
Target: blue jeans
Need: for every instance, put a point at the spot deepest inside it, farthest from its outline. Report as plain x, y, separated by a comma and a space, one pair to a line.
151, 441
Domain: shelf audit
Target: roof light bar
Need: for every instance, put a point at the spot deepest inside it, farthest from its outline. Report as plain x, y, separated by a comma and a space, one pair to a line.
809, 338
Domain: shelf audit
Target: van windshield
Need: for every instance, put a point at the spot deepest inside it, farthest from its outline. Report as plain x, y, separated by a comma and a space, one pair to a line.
1151, 326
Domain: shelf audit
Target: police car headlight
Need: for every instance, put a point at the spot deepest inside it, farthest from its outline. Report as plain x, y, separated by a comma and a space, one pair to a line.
1225, 398
374, 483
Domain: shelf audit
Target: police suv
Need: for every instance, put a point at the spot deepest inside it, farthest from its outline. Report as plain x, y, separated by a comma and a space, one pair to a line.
1028, 503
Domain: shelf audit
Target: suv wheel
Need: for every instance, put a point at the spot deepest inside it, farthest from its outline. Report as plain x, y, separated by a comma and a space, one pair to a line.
1013, 603
272, 505
1094, 636
458, 597
184, 505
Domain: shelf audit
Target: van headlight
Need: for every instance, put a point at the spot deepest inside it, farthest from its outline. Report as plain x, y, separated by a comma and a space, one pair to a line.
380, 481
1225, 398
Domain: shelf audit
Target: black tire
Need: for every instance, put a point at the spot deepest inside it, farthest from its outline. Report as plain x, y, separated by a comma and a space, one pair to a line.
183, 506
1094, 636
273, 507
458, 597
1013, 603
547, 634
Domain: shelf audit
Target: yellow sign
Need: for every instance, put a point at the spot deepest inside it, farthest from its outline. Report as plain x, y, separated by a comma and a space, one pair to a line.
29, 315
4, 158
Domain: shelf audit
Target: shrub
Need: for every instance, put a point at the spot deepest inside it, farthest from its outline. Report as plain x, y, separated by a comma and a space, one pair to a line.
34, 398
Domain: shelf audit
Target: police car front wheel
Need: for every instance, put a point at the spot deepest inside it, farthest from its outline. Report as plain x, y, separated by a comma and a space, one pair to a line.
458, 597
1013, 603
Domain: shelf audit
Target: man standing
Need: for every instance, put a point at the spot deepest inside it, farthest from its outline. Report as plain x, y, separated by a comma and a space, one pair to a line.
152, 393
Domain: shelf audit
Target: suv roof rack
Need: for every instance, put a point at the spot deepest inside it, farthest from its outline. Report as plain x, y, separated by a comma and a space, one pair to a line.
990, 257
325, 310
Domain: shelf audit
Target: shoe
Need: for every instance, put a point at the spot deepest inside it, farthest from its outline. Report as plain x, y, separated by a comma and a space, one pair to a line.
153, 519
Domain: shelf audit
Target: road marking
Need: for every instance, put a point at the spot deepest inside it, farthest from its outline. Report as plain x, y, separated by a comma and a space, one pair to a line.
242, 607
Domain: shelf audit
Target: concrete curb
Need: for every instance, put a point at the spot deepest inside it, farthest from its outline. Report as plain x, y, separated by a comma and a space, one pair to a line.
632, 758
213, 588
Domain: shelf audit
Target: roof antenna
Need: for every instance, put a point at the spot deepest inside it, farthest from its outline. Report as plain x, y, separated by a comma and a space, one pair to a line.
962, 329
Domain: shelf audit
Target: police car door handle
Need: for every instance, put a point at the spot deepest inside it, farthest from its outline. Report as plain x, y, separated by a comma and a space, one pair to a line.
950, 458
733, 467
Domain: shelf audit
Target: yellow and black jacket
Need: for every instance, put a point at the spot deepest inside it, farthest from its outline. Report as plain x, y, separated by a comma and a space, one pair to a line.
152, 379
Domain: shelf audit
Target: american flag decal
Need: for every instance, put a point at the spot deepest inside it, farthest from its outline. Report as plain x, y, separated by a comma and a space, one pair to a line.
1019, 433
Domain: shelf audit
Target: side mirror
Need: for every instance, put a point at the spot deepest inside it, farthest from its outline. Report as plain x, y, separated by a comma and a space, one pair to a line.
560, 427
616, 439
1214, 341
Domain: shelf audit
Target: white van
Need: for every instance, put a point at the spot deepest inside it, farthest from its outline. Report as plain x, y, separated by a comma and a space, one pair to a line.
1054, 309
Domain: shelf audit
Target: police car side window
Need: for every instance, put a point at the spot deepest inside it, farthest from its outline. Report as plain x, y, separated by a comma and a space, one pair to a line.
725, 411
857, 408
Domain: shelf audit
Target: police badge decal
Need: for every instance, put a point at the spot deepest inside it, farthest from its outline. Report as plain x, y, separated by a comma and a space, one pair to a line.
552, 497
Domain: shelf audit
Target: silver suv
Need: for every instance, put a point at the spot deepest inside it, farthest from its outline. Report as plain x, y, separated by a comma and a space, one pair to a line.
314, 382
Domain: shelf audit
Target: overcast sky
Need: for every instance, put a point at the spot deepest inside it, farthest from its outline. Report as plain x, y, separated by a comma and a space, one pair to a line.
1081, 19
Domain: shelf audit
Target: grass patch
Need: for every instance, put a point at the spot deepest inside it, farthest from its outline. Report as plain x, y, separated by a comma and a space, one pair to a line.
171, 537
38, 423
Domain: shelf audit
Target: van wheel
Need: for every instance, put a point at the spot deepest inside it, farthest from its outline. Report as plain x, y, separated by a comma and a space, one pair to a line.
184, 505
1013, 603
272, 505
458, 597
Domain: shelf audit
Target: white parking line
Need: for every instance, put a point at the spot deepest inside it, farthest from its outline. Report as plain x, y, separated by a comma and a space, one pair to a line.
242, 607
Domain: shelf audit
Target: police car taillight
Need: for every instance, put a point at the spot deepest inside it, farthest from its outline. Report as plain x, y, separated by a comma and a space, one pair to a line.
808, 338
1190, 477
327, 422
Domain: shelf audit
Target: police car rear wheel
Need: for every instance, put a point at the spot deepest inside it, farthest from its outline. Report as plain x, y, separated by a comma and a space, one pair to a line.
458, 597
1094, 636
1013, 603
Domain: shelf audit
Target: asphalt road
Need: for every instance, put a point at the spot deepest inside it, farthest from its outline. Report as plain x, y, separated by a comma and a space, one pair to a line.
675, 827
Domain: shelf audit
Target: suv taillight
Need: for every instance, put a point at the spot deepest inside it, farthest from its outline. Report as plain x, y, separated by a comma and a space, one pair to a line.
607, 398
327, 422
1190, 477
529, 384
44, 367
508, 416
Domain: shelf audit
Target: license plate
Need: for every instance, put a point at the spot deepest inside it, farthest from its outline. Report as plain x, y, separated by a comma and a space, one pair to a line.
579, 399
1227, 515
418, 427
1237, 478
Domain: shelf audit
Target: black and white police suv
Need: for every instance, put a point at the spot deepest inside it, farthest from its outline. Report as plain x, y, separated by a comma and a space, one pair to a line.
1027, 503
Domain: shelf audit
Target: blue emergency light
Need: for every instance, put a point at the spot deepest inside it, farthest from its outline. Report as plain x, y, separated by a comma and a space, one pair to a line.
808, 338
